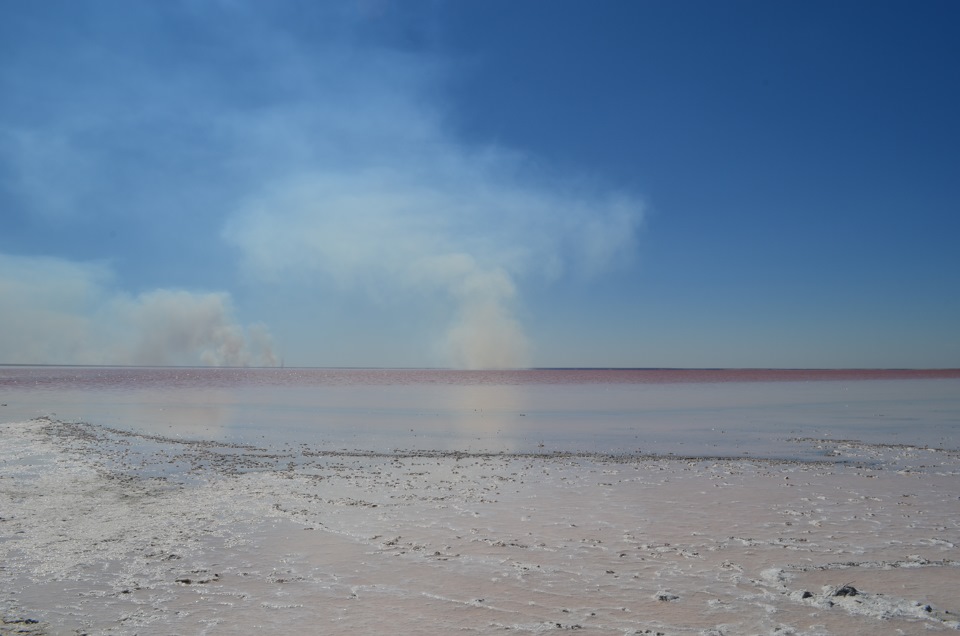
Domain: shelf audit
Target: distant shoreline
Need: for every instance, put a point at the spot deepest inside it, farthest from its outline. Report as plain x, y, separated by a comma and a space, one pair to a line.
951, 370
533, 376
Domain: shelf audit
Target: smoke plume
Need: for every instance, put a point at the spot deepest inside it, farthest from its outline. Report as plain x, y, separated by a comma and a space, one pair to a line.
319, 145
170, 327
54, 311
471, 233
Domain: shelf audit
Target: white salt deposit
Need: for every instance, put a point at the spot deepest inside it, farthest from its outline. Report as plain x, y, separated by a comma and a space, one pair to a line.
105, 531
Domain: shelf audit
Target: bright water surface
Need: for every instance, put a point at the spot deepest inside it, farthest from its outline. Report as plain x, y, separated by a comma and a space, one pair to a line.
758, 413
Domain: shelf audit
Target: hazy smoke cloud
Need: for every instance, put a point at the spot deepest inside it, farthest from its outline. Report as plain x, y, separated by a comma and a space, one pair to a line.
370, 190
167, 327
469, 231
484, 332
326, 154
54, 311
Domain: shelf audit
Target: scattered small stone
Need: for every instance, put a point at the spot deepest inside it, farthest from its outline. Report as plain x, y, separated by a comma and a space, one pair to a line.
846, 590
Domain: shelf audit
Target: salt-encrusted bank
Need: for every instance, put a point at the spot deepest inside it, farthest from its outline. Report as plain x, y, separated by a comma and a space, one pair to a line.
105, 531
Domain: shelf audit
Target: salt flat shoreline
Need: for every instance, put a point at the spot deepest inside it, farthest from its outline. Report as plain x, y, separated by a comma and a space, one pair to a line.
107, 531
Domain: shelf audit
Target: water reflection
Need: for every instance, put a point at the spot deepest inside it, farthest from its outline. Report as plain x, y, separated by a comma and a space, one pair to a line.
489, 415
204, 413
198, 413
537, 411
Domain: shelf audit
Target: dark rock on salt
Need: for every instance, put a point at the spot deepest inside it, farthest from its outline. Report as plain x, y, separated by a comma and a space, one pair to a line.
845, 590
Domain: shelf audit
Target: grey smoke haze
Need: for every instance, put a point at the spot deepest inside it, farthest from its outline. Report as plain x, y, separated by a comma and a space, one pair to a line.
471, 231
362, 187
59, 312
169, 326
328, 167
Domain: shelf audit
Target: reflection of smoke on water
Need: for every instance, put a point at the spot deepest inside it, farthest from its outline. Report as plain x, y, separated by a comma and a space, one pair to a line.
200, 413
488, 414
472, 411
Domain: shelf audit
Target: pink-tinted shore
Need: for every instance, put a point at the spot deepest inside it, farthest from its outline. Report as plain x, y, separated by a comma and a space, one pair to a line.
42, 376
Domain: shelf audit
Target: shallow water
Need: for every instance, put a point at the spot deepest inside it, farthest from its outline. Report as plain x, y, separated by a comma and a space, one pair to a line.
685, 412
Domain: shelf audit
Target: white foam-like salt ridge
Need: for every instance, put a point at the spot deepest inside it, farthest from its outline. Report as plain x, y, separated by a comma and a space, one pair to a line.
102, 537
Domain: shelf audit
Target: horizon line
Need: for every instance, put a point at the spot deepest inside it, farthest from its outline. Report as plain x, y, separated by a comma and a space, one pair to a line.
425, 368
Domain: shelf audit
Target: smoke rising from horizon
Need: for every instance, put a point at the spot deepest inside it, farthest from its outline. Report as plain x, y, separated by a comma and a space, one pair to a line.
318, 150
54, 311
371, 191
471, 235
168, 326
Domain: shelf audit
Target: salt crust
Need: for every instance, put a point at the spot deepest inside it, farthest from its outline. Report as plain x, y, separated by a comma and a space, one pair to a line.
103, 531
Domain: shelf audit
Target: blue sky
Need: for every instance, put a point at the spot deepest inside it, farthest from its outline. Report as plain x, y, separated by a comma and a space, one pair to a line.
480, 184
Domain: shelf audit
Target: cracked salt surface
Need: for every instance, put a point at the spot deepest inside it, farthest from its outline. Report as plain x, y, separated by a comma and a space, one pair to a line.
106, 531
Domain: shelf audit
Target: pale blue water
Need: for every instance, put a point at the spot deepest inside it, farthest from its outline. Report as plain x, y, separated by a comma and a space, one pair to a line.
695, 413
